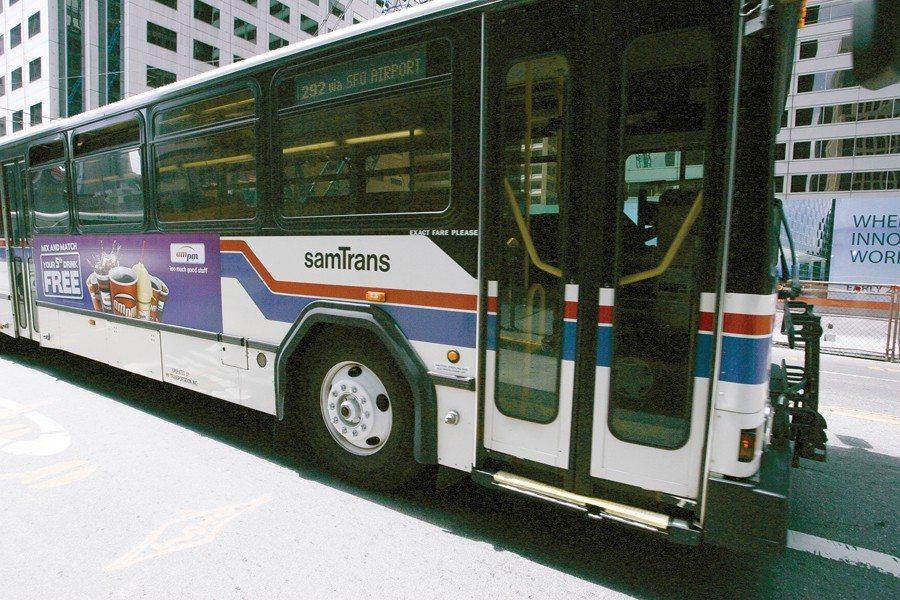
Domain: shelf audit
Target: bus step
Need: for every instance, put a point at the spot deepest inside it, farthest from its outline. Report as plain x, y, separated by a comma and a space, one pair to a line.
595, 508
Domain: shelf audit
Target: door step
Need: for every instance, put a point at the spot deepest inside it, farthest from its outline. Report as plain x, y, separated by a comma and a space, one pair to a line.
677, 530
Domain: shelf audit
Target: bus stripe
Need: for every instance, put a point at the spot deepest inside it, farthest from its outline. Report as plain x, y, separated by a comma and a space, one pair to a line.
423, 324
448, 300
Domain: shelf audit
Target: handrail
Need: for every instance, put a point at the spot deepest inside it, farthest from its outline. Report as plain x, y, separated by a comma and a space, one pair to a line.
526, 235
674, 247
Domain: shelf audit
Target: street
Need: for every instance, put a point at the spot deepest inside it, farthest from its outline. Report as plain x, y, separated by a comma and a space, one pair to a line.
117, 486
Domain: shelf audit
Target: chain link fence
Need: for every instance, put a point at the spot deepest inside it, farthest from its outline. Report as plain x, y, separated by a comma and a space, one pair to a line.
857, 318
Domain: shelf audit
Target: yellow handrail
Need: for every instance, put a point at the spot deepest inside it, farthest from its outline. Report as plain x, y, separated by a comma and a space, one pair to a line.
674, 247
526, 235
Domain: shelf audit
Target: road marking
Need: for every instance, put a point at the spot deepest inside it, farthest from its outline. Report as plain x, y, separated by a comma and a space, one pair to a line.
846, 553
51, 437
188, 529
885, 369
54, 475
859, 376
862, 414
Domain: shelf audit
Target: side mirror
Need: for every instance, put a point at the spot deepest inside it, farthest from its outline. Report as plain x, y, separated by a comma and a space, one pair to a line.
876, 54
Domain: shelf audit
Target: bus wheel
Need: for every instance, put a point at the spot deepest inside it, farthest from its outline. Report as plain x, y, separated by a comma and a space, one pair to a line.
358, 412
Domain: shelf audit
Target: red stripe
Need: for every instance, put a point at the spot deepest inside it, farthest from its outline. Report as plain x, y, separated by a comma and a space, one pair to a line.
349, 292
571, 310
492, 304
739, 323
604, 315
748, 324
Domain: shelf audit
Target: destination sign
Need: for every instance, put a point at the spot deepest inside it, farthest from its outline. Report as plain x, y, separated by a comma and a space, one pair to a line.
365, 74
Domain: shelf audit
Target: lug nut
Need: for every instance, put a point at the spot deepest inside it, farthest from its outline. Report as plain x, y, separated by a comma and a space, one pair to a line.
334, 420
353, 389
343, 430
363, 427
368, 414
355, 433
331, 405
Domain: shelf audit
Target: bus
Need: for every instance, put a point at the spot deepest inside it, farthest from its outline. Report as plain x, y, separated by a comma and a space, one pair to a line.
529, 242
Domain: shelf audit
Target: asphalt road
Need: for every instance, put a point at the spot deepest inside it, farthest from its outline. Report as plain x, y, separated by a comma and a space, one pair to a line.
137, 489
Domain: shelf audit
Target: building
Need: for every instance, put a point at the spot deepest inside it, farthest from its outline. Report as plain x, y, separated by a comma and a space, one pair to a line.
61, 57
838, 158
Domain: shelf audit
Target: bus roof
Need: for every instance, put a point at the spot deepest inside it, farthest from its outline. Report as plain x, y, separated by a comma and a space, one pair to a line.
420, 13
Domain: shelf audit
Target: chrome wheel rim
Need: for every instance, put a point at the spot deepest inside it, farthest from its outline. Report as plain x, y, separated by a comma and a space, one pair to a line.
356, 408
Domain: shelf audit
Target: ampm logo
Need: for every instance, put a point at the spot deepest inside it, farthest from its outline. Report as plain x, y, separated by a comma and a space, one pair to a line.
192, 254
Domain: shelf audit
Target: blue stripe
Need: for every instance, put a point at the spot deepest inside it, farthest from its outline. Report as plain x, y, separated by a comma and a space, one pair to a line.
453, 328
704, 355
604, 346
570, 331
745, 360
492, 331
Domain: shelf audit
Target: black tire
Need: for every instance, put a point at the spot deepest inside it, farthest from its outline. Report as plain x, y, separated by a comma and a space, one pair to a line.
393, 465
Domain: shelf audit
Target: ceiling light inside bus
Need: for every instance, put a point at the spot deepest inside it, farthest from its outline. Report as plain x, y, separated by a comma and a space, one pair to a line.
380, 137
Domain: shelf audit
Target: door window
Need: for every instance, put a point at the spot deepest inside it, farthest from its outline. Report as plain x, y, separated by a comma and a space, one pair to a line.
531, 288
657, 297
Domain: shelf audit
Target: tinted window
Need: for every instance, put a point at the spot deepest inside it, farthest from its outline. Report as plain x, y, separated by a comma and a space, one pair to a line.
206, 13
49, 198
109, 188
801, 150
234, 105
207, 177
125, 132
162, 37
385, 155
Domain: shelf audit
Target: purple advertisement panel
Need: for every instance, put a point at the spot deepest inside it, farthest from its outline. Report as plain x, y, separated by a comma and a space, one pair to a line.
166, 278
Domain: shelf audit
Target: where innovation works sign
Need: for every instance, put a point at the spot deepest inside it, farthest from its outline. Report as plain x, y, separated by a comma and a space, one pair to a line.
865, 245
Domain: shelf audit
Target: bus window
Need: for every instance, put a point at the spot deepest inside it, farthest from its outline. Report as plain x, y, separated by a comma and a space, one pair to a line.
204, 176
530, 301
207, 177
109, 188
383, 156
108, 184
239, 104
49, 198
654, 328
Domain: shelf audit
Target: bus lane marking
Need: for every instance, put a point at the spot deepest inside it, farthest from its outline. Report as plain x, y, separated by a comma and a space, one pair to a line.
188, 529
804, 542
52, 438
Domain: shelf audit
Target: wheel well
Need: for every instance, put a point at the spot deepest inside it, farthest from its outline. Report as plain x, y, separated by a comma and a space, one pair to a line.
326, 317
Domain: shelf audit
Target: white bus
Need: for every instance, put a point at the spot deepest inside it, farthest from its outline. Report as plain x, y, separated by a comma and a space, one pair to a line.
532, 241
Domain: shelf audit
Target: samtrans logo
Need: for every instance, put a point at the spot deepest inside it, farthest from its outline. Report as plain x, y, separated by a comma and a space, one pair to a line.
345, 260
192, 254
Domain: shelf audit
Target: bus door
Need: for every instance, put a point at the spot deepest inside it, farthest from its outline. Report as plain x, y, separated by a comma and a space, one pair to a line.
19, 251
595, 349
654, 338
528, 255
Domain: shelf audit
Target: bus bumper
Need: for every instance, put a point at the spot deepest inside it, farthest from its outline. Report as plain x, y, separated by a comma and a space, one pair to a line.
751, 515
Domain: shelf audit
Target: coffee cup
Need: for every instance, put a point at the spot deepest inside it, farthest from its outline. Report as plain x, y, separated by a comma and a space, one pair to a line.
93, 285
105, 299
158, 301
123, 291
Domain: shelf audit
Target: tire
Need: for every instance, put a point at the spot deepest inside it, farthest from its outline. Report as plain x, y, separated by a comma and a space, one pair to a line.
360, 363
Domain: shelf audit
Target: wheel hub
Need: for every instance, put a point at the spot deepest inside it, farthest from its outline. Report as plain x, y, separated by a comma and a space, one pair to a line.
349, 408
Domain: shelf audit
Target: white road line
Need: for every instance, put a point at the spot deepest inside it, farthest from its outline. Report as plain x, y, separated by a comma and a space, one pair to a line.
859, 376
844, 552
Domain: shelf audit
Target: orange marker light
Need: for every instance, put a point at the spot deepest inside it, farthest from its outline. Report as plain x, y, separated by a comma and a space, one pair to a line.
375, 296
747, 445
453, 356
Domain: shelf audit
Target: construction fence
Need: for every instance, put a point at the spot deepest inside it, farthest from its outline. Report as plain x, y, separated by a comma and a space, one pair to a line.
857, 318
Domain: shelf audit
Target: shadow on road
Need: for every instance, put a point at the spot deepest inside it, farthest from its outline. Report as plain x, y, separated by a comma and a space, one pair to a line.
623, 560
